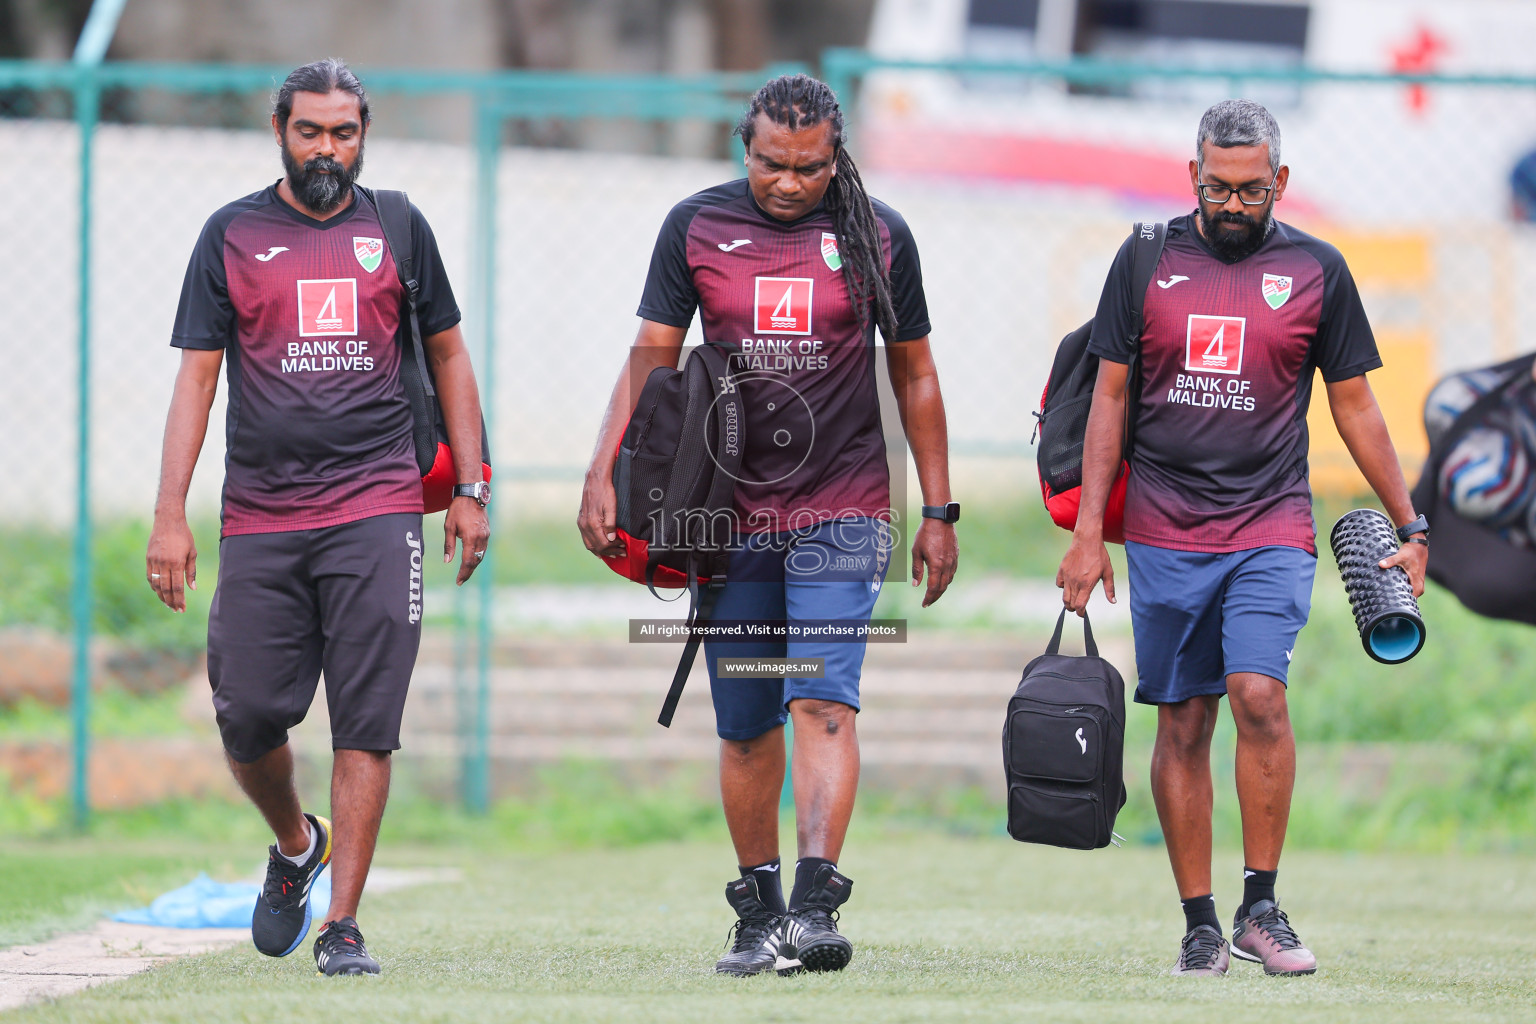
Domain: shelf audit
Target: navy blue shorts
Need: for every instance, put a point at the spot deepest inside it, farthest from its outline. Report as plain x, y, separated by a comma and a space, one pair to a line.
832, 570
1198, 617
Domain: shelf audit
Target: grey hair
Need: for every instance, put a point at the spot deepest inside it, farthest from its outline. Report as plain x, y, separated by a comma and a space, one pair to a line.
1239, 123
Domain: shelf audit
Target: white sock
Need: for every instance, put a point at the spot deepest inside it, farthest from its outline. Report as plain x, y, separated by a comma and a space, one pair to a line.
301, 858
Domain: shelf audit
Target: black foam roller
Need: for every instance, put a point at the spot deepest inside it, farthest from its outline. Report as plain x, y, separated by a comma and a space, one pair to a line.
1387, 616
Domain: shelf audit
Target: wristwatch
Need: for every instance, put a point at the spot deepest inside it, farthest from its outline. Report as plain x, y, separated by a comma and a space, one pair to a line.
949, 513
1419, 525
479, 490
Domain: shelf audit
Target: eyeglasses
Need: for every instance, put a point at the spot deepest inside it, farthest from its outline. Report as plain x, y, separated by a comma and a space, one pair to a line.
1248, 195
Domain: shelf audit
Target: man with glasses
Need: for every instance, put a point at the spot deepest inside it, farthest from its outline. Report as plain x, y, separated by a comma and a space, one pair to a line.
1220, 540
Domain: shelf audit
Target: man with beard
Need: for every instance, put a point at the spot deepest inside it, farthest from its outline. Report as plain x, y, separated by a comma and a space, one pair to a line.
320, 552
1220, 540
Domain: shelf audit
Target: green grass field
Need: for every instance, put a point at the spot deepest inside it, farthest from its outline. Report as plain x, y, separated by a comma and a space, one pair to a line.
945, 928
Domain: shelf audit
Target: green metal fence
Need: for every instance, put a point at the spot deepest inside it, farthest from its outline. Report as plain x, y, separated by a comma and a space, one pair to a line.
550, 243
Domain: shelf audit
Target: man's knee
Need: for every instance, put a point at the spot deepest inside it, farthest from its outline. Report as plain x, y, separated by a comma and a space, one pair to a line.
1258, 706
1185, 729
757, 747
824, 716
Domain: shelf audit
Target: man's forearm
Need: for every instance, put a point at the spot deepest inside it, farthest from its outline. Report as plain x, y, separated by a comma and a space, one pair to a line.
185, 426
1365, 435
1103, 449
922, 416
459, 395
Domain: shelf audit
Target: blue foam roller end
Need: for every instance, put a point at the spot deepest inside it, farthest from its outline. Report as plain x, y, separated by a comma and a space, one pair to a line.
1396, 639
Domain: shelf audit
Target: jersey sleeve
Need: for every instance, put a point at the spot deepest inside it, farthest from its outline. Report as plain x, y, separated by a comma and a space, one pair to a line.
1111, 336
436, 307
205, 317
1345, 345
907, 296
670, 296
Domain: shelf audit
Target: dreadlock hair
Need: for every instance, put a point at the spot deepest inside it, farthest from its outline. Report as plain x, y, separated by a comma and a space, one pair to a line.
322, 76
800, 101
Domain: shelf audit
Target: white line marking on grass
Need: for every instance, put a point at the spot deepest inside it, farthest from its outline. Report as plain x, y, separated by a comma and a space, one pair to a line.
66, 964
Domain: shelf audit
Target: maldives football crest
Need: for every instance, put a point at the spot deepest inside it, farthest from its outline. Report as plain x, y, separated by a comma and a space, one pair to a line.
369, 252
1276, 290
829, 251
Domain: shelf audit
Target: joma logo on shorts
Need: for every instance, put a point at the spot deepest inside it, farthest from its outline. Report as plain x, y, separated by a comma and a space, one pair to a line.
413, 605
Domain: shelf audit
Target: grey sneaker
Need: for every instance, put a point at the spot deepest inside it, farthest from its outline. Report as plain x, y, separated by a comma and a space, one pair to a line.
1265, 937
1203, 954
754, 939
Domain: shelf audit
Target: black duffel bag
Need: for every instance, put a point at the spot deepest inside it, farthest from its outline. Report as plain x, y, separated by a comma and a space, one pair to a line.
1064, 748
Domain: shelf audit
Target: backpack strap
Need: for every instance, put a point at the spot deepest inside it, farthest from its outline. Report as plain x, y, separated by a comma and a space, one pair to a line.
702, 607
1146, 252
394, 209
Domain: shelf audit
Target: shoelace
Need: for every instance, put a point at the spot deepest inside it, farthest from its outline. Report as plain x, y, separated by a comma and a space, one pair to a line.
284, 883
1277, 926
749, 932
342, 939
828, 918
1201, 949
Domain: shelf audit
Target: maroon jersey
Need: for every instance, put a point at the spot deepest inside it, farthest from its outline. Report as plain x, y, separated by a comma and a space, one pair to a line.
319, 430
1227, 358
774, 293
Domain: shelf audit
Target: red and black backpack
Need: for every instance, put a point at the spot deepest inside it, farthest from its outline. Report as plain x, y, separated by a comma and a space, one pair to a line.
1068, 396
675, 484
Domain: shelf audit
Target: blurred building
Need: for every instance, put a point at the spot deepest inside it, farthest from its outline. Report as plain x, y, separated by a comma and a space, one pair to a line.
592, 35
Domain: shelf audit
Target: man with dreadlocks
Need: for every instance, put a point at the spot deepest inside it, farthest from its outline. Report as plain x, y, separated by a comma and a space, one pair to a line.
792, 268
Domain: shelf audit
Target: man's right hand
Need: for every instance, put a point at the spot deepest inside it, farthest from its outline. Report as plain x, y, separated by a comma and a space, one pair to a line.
1085, 564
598, 517
171, 562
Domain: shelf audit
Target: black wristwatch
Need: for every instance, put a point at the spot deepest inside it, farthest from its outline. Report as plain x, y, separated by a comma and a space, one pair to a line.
1419, 525
949, 513
479, 490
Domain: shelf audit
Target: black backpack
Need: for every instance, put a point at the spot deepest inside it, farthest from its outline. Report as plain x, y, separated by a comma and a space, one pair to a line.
1064, 748
1488, 574
1068, 396
674, 482
429, 434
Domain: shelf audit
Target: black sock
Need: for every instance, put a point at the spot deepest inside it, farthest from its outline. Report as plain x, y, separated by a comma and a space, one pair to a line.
805, 876
769, 888
1200, 910
1257, 885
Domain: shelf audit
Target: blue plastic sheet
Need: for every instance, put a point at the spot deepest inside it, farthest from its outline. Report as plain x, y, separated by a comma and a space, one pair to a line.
204, 903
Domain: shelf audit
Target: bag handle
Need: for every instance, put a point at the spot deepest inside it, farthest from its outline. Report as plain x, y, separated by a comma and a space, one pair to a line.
1054, 647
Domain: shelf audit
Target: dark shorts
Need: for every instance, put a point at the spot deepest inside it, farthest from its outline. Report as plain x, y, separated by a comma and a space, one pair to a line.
833, 570
344, 599
1199, 617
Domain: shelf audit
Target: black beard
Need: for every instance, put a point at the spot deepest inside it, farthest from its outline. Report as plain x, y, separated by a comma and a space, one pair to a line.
321, 192
1235, 245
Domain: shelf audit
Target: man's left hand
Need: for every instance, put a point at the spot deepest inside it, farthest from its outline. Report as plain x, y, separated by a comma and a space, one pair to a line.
935, 548
1414, 558
466, 522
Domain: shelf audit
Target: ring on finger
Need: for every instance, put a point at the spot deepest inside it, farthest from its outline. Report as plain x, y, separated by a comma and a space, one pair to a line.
154, 575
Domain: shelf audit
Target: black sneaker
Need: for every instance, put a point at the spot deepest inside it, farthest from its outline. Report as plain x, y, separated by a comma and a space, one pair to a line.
808, 936
339, 949
281, 917
754, 938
